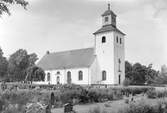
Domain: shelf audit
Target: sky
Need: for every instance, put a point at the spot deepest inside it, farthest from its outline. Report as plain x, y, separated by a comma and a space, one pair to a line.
60, 25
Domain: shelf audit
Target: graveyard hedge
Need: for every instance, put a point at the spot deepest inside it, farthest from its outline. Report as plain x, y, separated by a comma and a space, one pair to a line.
156, 94
160, 107
140, 107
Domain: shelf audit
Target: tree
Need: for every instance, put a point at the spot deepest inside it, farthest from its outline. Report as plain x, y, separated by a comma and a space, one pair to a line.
4, 4
139, 74
128, 67
3, 65
162, 78
18, 64
151, 74
32, 59
35, 73
163, 72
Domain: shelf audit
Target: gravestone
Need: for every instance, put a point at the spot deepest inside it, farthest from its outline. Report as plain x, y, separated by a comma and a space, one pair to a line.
132, 98
3, 86
52, 98
16, 87
127, 94
1, 106
68, 107
48, 109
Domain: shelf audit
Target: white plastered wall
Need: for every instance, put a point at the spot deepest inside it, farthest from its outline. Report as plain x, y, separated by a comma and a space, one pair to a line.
105, 58
75, 78
119, 53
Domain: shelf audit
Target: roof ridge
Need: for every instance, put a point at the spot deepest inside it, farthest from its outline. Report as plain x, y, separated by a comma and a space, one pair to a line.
71, 50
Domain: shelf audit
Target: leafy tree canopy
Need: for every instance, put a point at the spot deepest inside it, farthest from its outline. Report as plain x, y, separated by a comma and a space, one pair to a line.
4, 4
3, 65
163, 72
19, 62
35, 73
139, 74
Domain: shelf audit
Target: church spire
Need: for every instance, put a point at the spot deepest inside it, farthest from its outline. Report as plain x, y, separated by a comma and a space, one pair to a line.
108, 6
108, 17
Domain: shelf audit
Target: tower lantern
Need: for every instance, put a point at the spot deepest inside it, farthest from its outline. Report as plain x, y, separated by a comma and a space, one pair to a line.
109, 18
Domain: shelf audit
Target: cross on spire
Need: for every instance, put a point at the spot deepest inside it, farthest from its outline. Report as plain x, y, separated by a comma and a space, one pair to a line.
108, 6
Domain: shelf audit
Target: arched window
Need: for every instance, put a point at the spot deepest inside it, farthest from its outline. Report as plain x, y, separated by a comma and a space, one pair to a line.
104, 75
48, 76
58, 72
120, 41
103, 39
80, 75
106, 19
117, 39
69, 77
58, 80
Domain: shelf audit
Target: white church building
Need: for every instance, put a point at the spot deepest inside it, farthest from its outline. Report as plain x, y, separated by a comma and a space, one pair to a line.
102, 64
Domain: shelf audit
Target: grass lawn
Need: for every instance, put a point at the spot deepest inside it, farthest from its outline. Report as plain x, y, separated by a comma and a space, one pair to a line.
114, 105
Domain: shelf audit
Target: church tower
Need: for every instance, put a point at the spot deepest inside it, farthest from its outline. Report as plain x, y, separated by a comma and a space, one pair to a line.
110, 50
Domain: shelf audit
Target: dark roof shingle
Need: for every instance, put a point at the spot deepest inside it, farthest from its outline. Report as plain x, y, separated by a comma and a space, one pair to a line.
67, 59
108, 28
108, 12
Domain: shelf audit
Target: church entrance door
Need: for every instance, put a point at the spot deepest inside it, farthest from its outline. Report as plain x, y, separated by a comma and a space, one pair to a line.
119, 79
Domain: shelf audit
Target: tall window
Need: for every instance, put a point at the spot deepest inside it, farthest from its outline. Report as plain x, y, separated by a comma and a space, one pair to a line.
58, 80
69, 77
112, 19
103, 39
106, 19
48, 76
80, 75
120, 41
104, 75
117, 39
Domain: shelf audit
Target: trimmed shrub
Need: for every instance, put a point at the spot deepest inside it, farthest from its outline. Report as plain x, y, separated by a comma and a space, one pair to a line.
156, 94
151, 94
145, 108
126, 82
127, 100
136, 90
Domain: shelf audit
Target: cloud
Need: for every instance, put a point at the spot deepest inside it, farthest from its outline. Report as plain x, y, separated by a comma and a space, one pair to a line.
160, 5
98, 21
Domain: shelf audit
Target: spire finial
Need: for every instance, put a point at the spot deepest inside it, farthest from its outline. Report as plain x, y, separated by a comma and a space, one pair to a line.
108, 6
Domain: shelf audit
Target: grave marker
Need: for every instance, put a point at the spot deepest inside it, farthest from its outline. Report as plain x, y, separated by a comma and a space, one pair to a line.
68, 107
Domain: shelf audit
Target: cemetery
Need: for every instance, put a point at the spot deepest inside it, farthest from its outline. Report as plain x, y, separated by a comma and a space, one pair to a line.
78, 99
90, 77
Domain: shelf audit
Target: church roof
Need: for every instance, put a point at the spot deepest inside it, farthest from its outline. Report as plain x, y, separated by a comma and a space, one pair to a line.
108, 12
108, 28
67, 59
